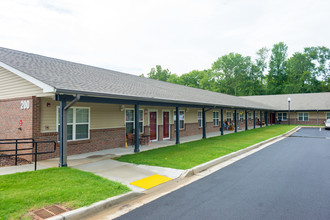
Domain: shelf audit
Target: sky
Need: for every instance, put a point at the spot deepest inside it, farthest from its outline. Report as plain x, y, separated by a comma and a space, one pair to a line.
180, 35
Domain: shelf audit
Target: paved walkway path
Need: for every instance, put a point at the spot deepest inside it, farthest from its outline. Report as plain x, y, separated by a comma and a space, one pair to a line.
101, 163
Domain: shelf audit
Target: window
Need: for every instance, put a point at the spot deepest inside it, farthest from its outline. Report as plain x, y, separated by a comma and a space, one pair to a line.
229, 117
216, 118
241, 117
200, 119
303, 116
282, 116
328, 115
181, 119
77, 123
249, 115
130, 119
257, 115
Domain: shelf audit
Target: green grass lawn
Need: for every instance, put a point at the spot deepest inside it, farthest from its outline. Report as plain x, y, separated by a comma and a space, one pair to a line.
312, 125
22, 192
188, 155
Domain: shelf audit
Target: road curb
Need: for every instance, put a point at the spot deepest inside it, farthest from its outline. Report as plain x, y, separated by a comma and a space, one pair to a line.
97, 207
197, 169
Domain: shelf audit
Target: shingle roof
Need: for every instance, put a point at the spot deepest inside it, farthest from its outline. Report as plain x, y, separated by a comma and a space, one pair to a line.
70, 77
302, 101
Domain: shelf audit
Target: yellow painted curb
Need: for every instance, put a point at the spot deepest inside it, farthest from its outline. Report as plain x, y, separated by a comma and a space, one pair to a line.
151, 181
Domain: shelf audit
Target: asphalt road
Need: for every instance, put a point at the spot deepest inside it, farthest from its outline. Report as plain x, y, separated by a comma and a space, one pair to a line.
287, 180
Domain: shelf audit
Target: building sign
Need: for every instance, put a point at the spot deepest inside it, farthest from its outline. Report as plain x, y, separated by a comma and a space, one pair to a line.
25, 105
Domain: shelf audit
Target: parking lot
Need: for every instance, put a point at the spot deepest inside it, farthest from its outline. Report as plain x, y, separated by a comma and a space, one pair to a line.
287, 180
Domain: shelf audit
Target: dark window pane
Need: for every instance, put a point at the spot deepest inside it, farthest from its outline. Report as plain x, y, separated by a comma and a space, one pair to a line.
141, 127
82, 115
129, 127
181, 124
129, 115
82, 131
69, 129
140, 115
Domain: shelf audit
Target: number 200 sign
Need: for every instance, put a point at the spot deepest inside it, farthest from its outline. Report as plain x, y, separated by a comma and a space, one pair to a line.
25, 105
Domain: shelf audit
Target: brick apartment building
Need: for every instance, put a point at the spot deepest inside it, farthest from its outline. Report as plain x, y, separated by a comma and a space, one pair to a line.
34, 91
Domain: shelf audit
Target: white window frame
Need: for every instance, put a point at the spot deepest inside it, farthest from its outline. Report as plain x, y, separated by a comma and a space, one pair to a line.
257, 115
74, 123
141, 109
184, 118
327, 115
241, 117
216, 118
229, 119
282, 116
303, 116
250, 115
200, 118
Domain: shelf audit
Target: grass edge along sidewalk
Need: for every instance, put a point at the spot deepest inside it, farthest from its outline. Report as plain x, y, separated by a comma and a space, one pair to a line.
23, 192
191, 154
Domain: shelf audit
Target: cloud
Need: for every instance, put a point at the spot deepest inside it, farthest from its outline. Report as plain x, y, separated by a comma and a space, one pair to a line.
133, 36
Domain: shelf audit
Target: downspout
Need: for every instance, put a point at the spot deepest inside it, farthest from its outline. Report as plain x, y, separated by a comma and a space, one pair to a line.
63, 157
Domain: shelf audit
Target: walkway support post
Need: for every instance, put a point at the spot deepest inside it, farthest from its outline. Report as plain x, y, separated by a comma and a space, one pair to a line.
266, 118
204, 123
246, 120
254, 119
235, 120
271, 118
63, 132
64, 129
221, 121
137, 128
275, 118
260, 119
177, 125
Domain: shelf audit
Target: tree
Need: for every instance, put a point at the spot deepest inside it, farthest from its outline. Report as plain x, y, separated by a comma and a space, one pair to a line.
277, 76
320, 56
257, 71
159, 73
231, 74
301, 75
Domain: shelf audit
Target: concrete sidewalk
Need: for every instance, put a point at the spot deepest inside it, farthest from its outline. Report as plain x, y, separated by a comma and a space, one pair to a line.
101, 163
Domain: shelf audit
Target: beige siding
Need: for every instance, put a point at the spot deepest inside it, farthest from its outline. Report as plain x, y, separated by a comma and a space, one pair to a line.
101, 115
323, 115
13, 86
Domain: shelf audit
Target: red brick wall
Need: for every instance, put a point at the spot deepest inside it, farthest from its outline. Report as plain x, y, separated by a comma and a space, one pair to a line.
10, 115
309, 122
193, 129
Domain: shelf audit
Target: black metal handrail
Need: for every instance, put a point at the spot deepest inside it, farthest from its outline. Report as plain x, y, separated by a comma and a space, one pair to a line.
34, 146
16, 145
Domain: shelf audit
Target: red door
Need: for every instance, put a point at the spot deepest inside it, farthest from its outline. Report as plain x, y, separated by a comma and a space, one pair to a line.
273, 118
153, 125
166, 122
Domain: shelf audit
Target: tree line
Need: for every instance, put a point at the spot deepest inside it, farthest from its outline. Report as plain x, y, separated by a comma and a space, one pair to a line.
235, 74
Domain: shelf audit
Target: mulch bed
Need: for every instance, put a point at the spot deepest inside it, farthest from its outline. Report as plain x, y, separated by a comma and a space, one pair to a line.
10, 161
